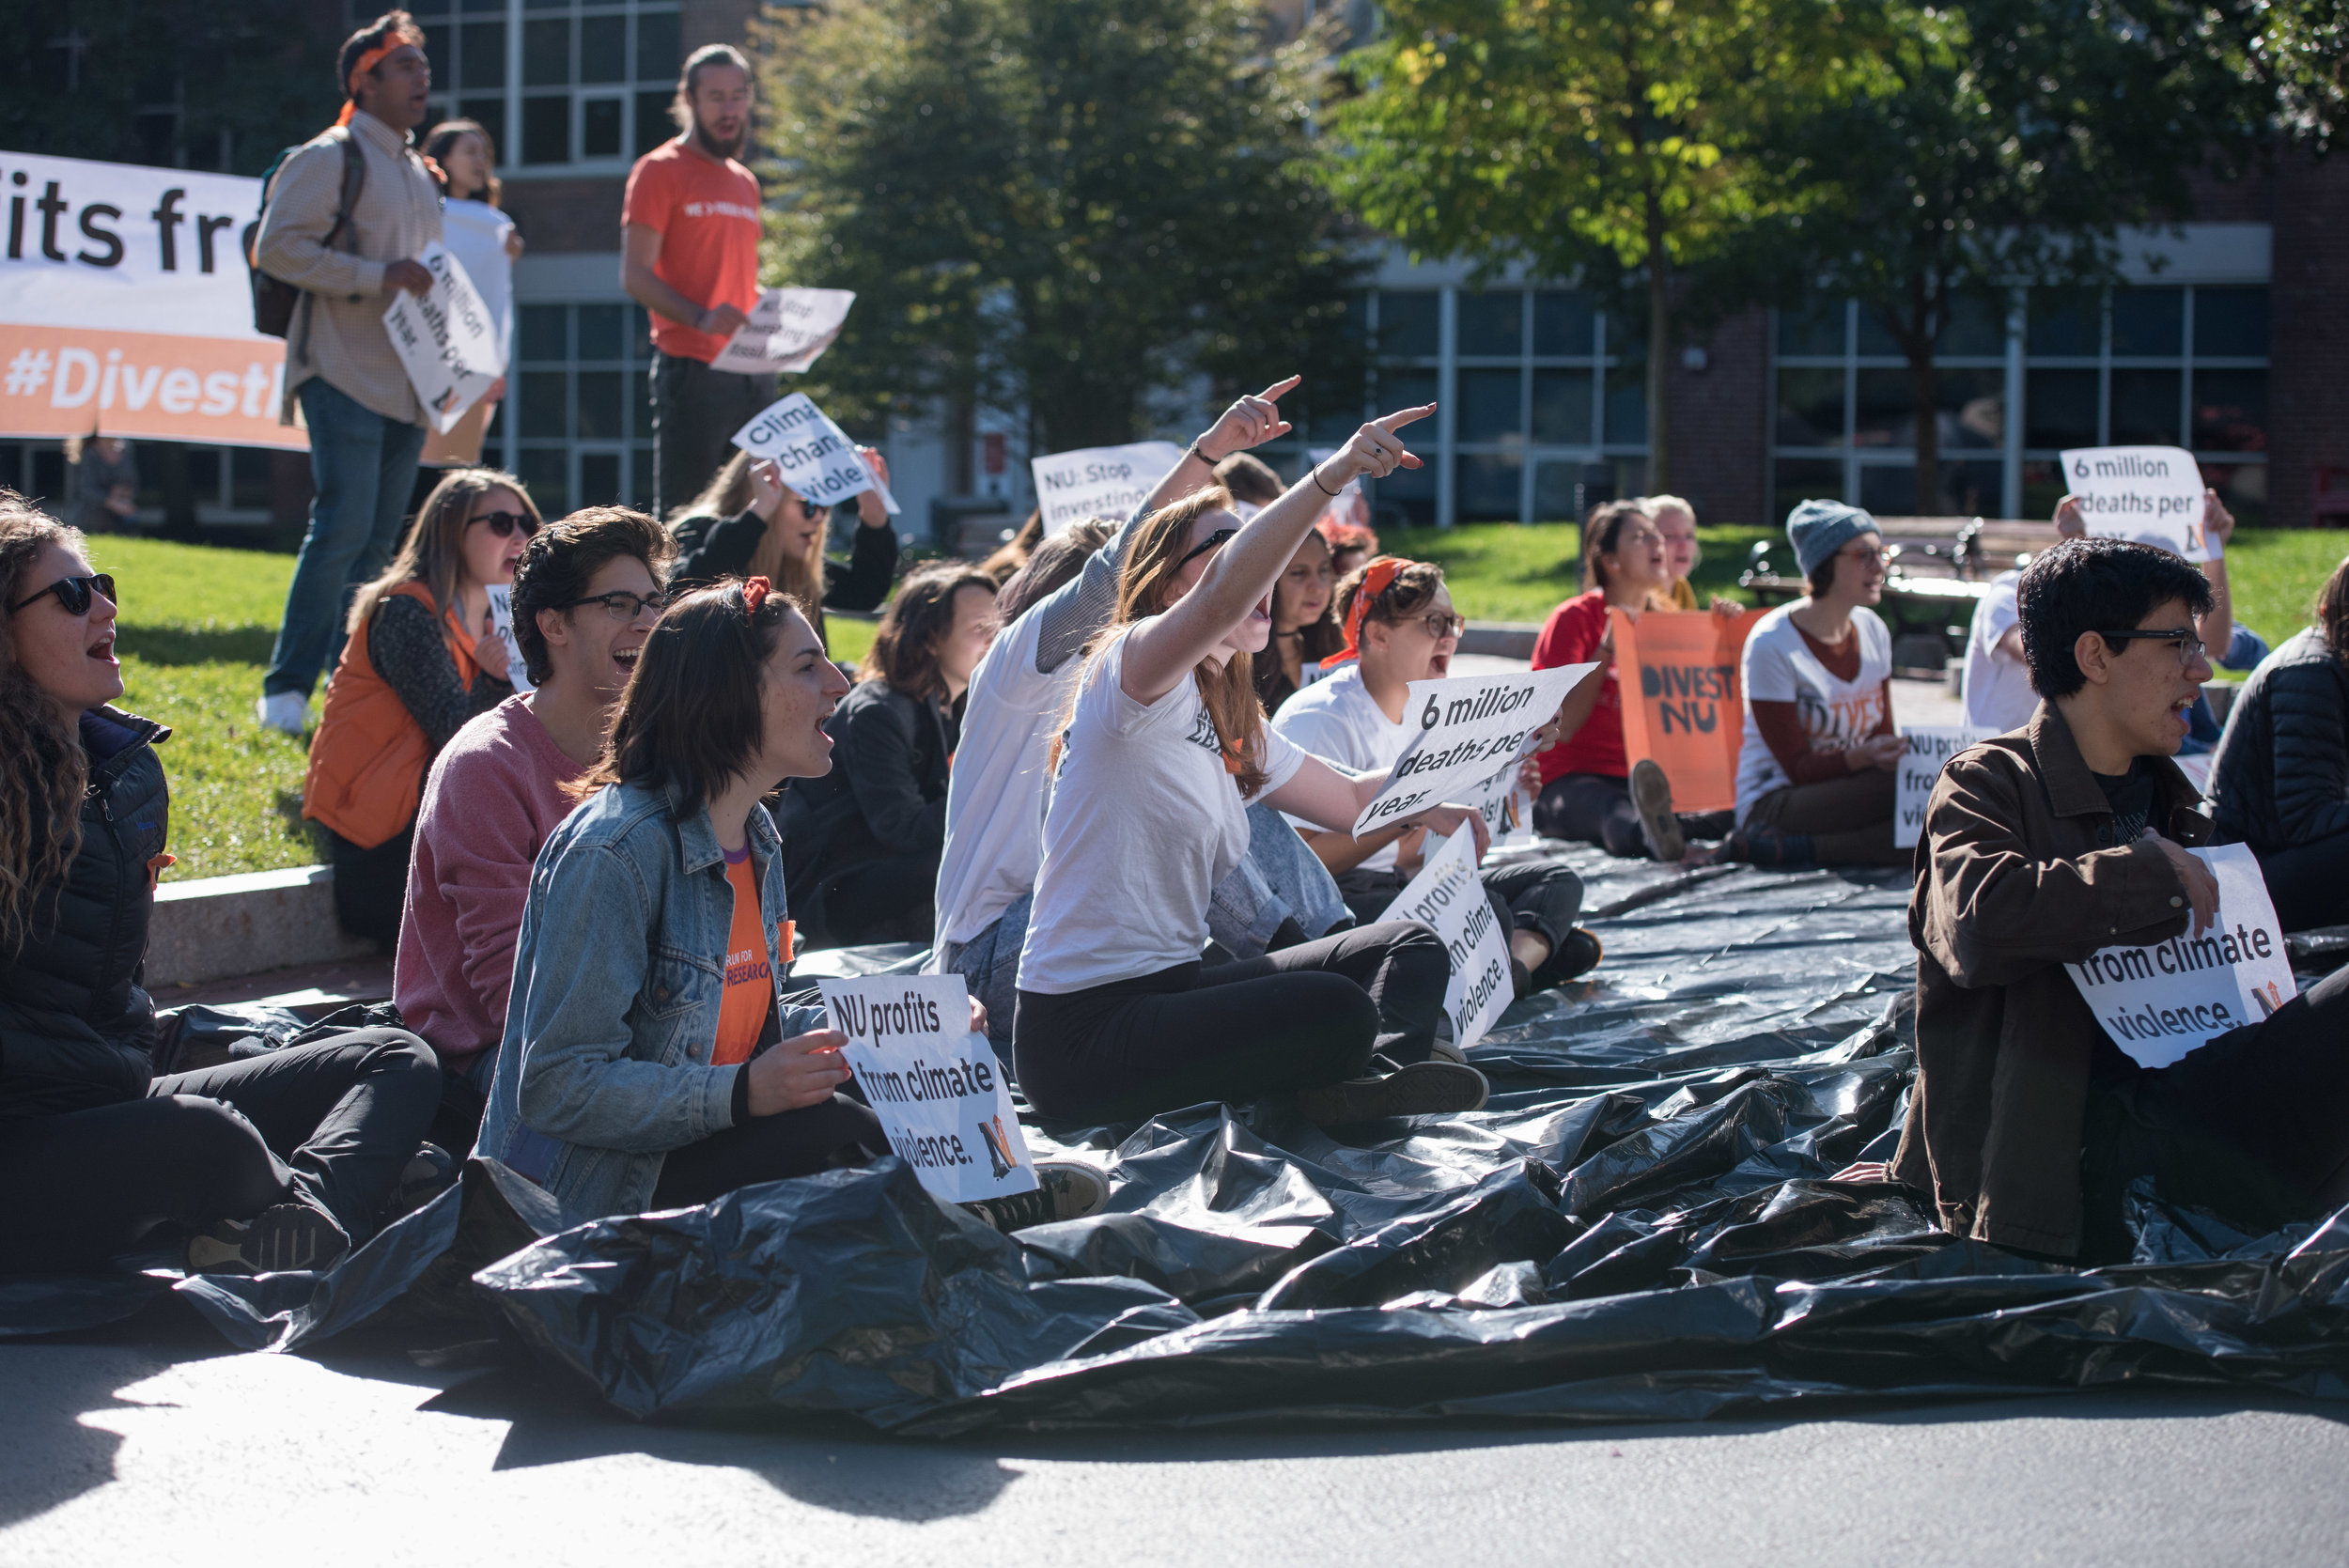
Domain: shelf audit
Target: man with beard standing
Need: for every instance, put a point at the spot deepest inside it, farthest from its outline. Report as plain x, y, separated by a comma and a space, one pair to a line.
689, 253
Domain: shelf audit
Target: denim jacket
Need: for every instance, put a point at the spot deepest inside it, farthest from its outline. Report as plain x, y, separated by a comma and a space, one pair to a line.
604, 1066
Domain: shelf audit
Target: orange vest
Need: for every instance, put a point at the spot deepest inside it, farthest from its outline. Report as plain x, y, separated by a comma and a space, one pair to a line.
368, 757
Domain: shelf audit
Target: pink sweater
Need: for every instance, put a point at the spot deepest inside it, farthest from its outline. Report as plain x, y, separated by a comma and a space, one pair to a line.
494, 794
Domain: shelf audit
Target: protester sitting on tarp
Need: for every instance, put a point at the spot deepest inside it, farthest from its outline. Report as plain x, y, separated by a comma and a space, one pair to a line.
1164, 746
1303, 630
585, 594
1014, 552
1591, 792
2280, 780
1815, 768
1065, 596
1675, 522
420, 661
649, 1060
1250, 480
2028, 1125
277, 1161
749, 523
1400, 627
861, 841
1344, 524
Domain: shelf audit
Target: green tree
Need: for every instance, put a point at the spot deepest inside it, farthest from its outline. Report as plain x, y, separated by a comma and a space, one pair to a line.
1617, 140
1074, 206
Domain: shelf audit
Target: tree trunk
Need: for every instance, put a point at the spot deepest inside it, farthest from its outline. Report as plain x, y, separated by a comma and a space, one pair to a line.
1660, 337
1923, 391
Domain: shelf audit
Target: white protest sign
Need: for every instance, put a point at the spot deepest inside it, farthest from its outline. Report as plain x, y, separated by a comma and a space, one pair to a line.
933, 1083
818, 461
1448, 896
1929, 747
788, 330
446, 339
1099, 481
2152, 494
502, 623
1469, 727
1496, 799
2161, 1001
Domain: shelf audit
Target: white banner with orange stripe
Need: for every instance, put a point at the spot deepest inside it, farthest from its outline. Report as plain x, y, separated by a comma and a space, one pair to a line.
125, 308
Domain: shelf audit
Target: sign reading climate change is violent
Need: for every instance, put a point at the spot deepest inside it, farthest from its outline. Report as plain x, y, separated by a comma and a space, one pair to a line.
933, 1083
1099, 481
2161, 1001
1682, 709
1469, 727
2152, 494
445, 339
502, 627
788, 330
1449, 896
1926, 750
818, 461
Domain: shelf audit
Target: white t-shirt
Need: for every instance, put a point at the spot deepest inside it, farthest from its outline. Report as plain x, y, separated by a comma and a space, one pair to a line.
1338, 718
1144, 823
1778, 667
474, 233
1998, 688
995, 796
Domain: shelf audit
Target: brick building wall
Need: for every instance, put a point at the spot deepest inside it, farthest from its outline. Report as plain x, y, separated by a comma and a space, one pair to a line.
2308, 396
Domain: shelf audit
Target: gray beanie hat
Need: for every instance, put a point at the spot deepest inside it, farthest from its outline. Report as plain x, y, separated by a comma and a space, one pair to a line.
1817, 529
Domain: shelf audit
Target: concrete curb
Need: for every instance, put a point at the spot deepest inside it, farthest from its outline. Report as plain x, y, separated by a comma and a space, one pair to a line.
1500, 639
220, 927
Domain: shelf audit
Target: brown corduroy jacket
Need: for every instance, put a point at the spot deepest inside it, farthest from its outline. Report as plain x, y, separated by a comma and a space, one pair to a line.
2012, 884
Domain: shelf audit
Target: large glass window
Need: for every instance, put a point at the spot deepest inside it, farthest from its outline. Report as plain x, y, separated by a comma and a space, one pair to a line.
582, 413
559, 84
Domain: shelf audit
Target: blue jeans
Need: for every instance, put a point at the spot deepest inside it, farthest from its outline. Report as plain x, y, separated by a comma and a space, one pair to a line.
363, 466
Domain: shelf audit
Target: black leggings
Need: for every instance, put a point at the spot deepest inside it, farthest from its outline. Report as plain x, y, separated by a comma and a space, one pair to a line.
2309, 883
1306, 1015
1530, 893
881, 901
371, 885
333, 1122
829, 1136
1595, 808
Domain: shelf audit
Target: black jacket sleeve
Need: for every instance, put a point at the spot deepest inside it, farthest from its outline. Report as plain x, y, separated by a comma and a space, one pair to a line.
863, 582
2312, 728
711, 548
884, 753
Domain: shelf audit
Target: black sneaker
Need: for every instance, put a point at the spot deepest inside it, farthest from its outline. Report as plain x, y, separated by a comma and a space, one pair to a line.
1069, 1189
1652, 798
1422, 1088
429, 1172
1767, 849
281, 1237
1574, 957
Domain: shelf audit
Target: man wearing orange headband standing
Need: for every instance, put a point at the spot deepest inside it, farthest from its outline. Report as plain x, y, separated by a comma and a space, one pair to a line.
367, 425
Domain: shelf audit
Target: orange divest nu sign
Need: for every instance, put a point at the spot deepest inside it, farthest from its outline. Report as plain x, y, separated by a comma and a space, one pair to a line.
126, 307
1682, 706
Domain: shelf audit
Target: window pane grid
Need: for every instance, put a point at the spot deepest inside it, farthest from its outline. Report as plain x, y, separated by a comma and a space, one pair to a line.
581, 405
557, 83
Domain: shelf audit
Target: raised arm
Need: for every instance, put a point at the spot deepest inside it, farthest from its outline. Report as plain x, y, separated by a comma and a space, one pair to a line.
1163, 650
1322, 792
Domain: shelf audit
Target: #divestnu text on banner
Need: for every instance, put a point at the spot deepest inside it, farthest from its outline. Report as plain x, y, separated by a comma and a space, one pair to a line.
1926, 748
502, 625
1449, 896
788, 330
446, 340
1099, 481
818, 461
1682, 706
126, 307
2161, 1001
2152, 494
1466, 728
933, 1083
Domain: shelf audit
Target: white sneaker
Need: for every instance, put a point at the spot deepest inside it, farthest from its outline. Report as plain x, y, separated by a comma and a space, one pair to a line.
289, 711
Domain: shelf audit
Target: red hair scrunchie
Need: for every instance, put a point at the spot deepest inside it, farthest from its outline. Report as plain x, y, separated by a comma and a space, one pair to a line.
1376, 578
754, 592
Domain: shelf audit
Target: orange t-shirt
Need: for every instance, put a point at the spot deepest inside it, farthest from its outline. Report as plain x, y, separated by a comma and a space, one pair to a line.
750, 979
707, 215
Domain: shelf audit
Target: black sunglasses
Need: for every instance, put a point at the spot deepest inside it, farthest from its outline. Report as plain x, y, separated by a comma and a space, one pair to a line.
75, 593
624, 606
1221, 537
503, 523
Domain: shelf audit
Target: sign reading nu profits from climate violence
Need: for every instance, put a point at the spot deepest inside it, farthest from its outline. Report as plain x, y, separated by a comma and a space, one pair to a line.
2161, 1001
2152, 494
818, 461
1682, 710
1099, 481
1448, 896
1926, 749
1469, 727
933, 1083
126, 306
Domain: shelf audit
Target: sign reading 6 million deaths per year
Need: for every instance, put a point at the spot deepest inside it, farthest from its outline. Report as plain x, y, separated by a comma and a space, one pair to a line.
126, 306
1682, 706
933, 1083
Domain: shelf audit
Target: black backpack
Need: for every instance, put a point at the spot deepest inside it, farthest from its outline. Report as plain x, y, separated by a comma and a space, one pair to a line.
273, 299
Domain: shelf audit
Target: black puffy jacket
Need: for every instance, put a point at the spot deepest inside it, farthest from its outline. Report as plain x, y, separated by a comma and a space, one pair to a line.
75, 1029
2281, 778
886, 793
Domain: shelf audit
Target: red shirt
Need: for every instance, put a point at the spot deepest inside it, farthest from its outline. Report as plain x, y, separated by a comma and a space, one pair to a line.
707, 215
1571, 636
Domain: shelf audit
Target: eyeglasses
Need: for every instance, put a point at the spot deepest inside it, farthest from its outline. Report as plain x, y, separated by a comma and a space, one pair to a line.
622, 606
503, 523
1441, 626
73, 593
1221, 537
2183, 642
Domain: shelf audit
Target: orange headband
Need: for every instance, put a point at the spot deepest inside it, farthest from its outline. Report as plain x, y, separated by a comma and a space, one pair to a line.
368, 62
754, 592
1376, 578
